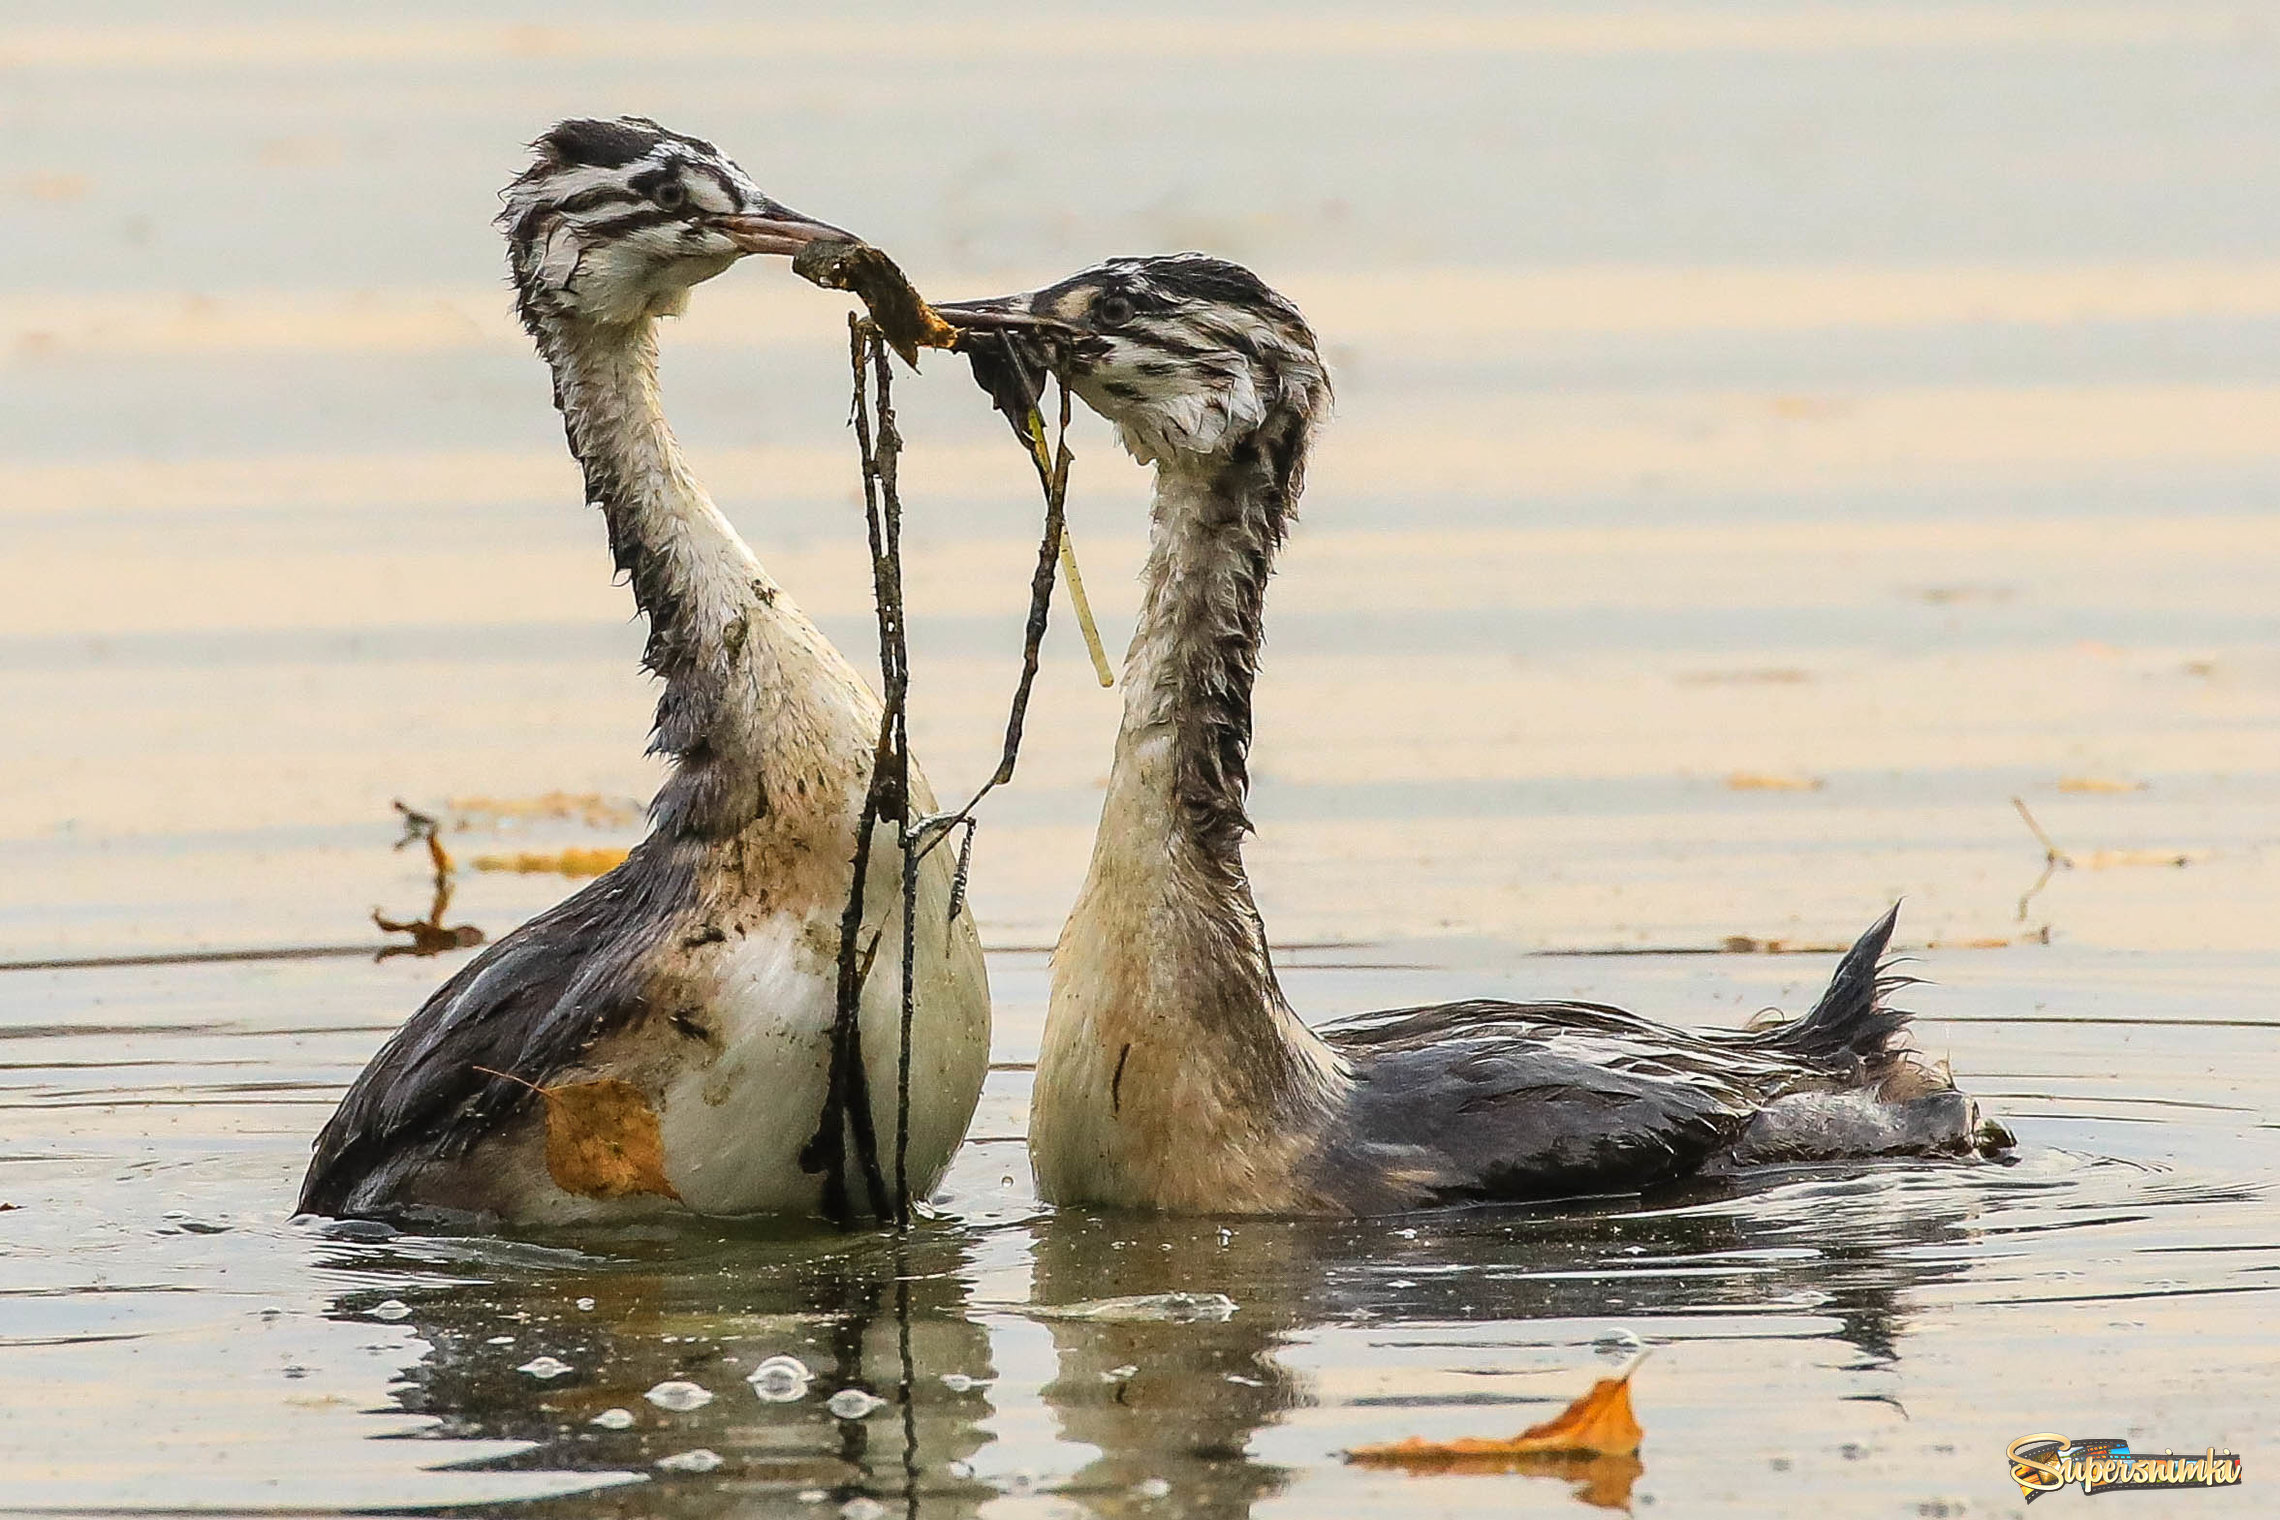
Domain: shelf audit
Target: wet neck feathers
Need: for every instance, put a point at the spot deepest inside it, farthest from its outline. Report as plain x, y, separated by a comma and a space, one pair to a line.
760, 716
1174, 1075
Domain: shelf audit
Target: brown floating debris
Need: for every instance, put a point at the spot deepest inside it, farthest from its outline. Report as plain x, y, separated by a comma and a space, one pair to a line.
602, 1138
429, 936
1753, 781
1744, 944
897, 309
574, 863
1594, 1441
2056, 859
589, 808
2100, 784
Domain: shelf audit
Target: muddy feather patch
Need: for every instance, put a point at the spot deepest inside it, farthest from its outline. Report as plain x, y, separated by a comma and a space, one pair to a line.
602, 1138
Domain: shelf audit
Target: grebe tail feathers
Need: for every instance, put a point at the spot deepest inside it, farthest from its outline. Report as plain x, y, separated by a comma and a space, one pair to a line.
1851, 1027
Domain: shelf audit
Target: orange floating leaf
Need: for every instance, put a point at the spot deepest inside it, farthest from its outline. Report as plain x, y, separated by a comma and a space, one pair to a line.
1594, 1440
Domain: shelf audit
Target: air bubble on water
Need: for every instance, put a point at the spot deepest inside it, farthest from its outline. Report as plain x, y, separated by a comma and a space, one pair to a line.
1151, 1488
679, 1396
780, 1379
853, 1403
613, 1419
959, 1468
1226, 1236
1406, 1234
958, 1382
860, 1508
813, 1496
500, 1340
390, 1308
1617, 1343
1119, 1374
586, 1305
273, 1312
544, 1367
702, 1460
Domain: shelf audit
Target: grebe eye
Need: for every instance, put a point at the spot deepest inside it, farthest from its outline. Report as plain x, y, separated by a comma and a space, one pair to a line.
671, 195
1112, 311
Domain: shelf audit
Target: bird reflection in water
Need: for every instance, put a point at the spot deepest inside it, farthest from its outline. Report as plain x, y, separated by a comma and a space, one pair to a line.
862, 1313
1169, 1407
1181, 1403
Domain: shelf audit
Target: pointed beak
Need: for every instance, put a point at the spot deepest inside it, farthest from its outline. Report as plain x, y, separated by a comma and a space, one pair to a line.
1010, 348
1001, 314
778, 230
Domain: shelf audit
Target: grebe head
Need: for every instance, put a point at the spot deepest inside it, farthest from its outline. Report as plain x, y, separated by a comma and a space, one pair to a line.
615, 220
1187, 354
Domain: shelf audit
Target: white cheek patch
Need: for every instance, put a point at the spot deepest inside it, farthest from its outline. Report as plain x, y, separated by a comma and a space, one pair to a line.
1175, 419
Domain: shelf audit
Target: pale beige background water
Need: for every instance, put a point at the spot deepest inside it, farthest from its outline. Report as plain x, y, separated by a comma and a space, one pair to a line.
1875, 398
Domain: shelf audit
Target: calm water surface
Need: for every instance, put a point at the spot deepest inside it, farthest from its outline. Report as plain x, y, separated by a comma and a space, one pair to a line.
1867, 1338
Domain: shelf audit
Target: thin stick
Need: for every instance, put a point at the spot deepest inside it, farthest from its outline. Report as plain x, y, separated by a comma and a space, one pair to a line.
1083, 605
2054, 860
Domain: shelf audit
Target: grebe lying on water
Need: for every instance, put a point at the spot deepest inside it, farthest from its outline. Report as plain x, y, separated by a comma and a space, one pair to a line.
1174, 1075
702, 972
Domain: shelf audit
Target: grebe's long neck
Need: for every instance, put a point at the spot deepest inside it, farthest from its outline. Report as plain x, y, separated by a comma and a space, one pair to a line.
1174, 1075
759, 713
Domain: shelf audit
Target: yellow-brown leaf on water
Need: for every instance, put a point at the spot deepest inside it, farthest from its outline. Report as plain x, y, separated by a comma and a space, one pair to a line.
602, 1138
592, 809
2099, 784
1754, 781
2107, 860
572, 862
1594, 1441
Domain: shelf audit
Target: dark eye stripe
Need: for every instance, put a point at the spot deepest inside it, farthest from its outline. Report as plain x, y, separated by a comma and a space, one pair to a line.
598, 196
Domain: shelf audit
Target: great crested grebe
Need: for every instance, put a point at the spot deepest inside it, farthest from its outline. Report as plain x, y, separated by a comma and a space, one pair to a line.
694, 986
1174, 1075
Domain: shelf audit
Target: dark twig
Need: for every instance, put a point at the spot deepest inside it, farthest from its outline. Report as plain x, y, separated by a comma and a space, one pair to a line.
429, 936
846, 1101
846, 1108
965, 865
2054, 859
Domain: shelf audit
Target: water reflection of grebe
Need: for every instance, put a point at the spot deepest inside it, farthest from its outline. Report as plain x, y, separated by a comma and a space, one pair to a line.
690, 973
858, 1313
1173, 1074
1495, 1289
